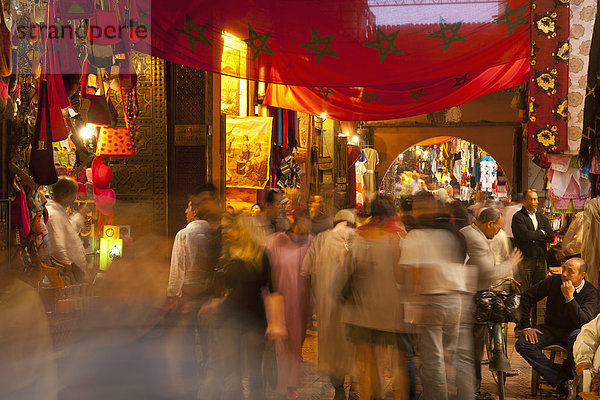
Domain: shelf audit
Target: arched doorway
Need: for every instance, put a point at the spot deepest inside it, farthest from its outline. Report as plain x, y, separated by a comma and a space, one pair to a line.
443, 161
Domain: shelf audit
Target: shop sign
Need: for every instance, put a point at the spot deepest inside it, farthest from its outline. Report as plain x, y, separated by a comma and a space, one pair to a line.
190, 135
325, 163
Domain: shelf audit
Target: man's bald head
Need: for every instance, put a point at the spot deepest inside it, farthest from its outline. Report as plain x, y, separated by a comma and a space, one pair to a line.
578, 263
574, 270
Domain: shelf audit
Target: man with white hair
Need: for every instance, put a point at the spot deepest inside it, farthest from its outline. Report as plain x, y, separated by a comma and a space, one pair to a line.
483, 272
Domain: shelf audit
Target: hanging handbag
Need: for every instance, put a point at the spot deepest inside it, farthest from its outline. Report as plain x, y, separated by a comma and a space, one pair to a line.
115, 142
98, 113
5, 46
41, 163
104, 26
57, 121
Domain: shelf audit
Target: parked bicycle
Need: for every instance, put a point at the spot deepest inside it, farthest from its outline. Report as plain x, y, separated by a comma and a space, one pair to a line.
497, 309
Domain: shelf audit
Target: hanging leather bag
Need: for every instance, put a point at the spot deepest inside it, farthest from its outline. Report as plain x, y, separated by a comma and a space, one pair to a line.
98, 113
41, 163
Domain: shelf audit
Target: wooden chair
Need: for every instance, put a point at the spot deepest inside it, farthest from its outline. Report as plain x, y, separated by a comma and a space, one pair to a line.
554, 349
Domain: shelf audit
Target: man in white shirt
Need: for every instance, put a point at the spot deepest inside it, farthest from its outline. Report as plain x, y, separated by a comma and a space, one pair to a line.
65, 247
190, 275
431, 267
193, 262
532, 232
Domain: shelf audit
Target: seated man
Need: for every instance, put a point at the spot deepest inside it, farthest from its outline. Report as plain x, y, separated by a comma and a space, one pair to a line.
571, 303
586, 350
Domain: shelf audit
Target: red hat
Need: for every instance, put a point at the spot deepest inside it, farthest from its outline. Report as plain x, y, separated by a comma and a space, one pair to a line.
101, 175
105, 201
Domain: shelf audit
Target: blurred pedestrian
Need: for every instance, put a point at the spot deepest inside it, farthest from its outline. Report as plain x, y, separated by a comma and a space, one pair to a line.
322, 267
65, 247
270, 218
286, 251
193, 262
373, 309
27, 367
432, 256
237, 319
483, 271
320, 221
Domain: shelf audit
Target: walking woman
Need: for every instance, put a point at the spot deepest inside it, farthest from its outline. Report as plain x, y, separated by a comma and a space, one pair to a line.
237, 320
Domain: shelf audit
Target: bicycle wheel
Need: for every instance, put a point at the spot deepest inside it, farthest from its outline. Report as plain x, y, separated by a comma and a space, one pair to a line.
500, 381
497, 342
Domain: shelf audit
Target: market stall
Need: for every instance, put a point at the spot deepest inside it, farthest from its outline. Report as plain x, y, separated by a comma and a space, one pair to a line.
443, 162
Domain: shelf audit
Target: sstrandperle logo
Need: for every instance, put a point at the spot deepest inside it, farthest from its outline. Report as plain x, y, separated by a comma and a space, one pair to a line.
94, 32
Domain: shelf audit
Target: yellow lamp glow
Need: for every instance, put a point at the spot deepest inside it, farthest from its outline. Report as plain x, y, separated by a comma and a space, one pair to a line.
86, 132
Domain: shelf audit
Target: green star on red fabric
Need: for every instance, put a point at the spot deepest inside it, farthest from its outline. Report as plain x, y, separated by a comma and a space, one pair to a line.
448, 33
142, 15
512, 18
257, 43
382, 39
460, 81
369, 97
416, 94
194, 32
325, 91
320, 45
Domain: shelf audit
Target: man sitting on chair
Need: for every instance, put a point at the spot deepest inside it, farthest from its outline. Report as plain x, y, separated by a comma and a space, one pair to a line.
571, 303
586, 350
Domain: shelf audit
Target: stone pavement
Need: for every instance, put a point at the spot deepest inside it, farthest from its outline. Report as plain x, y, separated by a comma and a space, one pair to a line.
517, 387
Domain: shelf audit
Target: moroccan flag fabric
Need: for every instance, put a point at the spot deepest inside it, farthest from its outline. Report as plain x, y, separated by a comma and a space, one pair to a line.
425, 51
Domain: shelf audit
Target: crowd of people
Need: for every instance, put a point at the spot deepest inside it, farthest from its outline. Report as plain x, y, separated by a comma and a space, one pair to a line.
399, 280
393, 289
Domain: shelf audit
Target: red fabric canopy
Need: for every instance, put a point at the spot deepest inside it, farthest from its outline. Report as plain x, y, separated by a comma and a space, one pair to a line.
342, 43
394, 101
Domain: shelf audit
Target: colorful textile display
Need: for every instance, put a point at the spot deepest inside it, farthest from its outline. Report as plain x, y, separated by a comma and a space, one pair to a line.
489, 169
583, 15
548, 88
569, 189
590, 140
372, 160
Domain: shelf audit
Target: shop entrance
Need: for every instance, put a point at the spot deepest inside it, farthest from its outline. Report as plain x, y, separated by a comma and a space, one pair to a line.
441, 162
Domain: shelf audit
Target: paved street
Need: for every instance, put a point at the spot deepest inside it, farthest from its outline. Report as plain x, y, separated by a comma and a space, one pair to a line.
518, 387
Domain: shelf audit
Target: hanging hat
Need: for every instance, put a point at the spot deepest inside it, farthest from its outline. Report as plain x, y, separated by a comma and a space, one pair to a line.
104, 197
105, 201
101, 175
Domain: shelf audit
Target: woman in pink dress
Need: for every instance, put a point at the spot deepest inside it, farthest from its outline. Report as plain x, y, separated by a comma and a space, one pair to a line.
286, 251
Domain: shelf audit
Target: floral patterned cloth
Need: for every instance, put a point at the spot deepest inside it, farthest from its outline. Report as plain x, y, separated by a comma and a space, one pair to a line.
583, 15
548, 88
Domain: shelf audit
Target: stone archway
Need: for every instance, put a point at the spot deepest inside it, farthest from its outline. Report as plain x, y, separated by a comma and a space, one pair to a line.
425, 143
496, 140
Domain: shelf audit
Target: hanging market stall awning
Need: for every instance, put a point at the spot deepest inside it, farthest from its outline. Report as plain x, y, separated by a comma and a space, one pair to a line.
410, 44
397, 101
